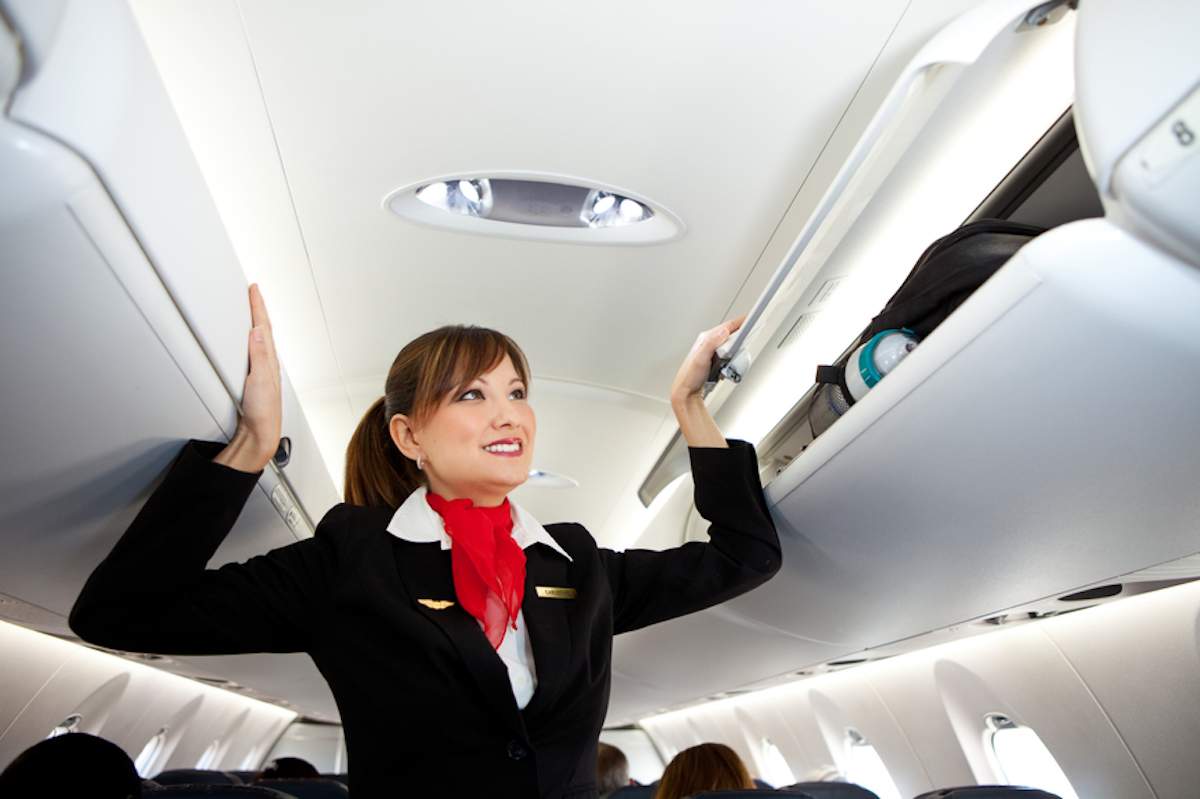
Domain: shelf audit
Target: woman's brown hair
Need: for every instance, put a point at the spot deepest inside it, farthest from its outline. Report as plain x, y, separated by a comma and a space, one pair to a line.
706, 767
426, 370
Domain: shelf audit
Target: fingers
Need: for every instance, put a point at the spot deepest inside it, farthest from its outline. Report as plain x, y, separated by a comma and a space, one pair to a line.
262, 342
258, 307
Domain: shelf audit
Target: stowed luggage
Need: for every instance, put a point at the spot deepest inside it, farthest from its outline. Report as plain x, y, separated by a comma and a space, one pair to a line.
946, 274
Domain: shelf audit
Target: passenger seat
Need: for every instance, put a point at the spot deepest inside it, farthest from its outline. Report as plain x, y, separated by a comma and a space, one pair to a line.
832, 790
195, 776
757, 793
989, 792
212, 792
308, 789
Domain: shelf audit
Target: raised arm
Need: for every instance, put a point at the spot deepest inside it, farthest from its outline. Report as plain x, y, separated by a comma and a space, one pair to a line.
152, 593
743, 552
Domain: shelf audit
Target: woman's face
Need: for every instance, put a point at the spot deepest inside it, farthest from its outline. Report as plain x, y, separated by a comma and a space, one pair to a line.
478, 444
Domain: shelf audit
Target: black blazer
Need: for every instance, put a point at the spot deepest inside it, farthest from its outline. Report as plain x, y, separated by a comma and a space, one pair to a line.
426, 703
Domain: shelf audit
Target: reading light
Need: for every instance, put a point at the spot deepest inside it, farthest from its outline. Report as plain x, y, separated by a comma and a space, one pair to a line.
605, 209
525, 205
467, 197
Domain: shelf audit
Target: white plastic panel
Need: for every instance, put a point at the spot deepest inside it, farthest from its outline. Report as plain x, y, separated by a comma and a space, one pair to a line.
1120, 99
96, 90
1139, 115
123, 701
1106, 689
104, 381
1011, 457
1146, 678
1007, 445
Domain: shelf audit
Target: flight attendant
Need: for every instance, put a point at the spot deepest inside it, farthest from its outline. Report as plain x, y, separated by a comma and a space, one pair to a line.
468, 647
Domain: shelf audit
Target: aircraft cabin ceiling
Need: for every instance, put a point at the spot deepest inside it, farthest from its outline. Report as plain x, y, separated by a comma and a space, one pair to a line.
304, 118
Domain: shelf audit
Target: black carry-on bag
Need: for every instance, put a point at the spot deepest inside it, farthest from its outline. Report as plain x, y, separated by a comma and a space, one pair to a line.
948, 272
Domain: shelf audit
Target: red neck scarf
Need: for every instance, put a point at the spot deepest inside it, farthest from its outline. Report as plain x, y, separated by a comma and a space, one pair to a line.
487, 564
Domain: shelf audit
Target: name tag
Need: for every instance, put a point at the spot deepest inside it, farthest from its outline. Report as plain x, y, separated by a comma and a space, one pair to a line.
554, 592
436, 604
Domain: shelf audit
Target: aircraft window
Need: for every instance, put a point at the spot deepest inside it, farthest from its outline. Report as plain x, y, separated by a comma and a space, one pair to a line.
253, 758
149, 754
69, 724
865, 767
1022, 759
210, 755
775, 768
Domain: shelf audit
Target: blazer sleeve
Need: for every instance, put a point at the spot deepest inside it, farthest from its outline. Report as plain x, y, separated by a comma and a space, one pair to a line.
743, 551
153, 593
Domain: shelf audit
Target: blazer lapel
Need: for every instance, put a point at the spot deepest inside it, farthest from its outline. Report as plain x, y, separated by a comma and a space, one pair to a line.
424, 570
547, 621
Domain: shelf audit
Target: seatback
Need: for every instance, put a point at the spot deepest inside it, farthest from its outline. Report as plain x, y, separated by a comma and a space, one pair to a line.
833, 790
634, 792
989, 792
757, 793
196, 776
308, 789
246, 777
213, 792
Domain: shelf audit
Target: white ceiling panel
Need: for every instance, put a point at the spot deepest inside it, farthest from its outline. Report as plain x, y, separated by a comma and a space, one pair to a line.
304, 118
711, 111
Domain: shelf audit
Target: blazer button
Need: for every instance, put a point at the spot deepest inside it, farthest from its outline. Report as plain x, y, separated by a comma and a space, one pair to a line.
517, 750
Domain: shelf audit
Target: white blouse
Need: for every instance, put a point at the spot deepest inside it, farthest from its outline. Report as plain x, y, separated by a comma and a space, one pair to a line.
417, 522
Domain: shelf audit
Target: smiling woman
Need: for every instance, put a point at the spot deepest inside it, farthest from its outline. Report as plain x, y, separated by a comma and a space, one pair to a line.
449, 394
430, 596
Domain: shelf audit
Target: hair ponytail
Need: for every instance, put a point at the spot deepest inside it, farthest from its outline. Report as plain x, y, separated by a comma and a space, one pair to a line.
377, 473
426, 370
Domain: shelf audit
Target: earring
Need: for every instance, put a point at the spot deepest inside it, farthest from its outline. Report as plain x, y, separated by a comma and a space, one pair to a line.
420, 463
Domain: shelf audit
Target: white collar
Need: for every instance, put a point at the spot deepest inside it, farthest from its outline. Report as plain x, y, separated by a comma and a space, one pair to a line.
417, 522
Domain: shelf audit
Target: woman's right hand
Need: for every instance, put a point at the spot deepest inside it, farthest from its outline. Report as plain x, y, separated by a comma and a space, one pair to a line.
261, 423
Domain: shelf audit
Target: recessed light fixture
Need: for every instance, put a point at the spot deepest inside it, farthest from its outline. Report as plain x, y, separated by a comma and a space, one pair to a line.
544, 479
524, 205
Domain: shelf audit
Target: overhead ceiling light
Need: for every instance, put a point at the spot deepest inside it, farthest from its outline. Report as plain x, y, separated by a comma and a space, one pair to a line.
467, 197
605, 209
533, 206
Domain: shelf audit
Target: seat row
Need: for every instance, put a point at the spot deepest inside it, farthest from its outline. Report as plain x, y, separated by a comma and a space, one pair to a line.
221, 784
845, 790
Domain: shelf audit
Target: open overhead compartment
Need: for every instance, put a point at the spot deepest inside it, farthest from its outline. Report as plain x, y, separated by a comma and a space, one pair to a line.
124, 327
1027, 449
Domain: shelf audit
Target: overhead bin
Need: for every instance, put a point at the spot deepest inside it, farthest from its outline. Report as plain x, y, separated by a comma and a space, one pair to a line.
962, 112
1032, 445
125, 321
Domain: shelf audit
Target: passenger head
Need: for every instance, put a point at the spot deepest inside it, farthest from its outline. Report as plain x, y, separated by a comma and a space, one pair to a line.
75, 764
450, 393
289, 768
706, 767
612, 769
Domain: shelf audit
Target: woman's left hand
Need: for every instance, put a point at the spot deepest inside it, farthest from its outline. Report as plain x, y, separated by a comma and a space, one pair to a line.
689, 380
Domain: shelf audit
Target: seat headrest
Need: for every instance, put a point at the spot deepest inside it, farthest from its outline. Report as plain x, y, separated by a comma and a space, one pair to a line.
833, 790
196, 776
308, 789
213, 792
988, 792
758, 793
